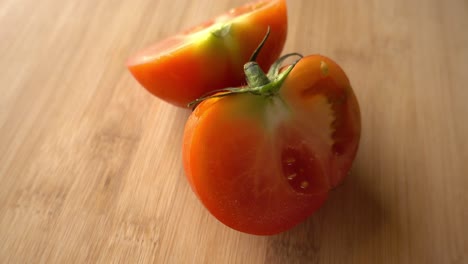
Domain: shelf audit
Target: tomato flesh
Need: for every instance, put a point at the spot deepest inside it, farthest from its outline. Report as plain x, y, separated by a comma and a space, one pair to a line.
311, 89
302, 169
153, 52
210, 56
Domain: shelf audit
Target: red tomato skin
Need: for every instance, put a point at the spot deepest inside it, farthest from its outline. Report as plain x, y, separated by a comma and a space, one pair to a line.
208, 62
217, 170
233, 147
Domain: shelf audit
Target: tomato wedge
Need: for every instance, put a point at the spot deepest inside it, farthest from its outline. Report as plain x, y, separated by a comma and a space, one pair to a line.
183, 67
262, 158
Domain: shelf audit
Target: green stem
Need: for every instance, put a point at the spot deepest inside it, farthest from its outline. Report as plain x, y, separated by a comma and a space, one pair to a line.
254, 75
259, 48
275, 68
258, 82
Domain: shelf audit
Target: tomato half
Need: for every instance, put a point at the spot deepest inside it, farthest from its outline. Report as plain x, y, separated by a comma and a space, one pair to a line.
262, 162
210, 56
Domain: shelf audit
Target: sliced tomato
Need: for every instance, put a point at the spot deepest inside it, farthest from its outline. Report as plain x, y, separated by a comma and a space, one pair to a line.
210, 56
262, 162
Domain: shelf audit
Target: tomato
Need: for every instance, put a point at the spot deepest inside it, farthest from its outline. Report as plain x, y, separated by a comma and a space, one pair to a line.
263, 158
210, 56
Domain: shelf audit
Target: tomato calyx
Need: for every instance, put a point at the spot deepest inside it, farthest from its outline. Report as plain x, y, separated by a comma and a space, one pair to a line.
221, 30
258, 82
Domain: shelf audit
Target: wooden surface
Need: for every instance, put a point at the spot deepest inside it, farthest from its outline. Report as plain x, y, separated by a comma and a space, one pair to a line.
90, 163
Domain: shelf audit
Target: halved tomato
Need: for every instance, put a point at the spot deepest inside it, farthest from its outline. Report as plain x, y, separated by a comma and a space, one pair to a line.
210, 56
263, 158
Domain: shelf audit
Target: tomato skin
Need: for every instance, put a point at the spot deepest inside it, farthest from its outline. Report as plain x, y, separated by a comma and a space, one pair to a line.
216, 169
245, 177
182, 68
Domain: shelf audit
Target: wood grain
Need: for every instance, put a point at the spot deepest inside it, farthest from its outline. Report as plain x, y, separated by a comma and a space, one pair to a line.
90, 163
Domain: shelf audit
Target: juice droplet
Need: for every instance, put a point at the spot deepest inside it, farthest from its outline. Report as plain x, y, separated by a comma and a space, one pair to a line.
292, 176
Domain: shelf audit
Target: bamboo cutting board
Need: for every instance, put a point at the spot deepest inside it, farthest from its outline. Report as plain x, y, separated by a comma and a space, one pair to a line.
90, 163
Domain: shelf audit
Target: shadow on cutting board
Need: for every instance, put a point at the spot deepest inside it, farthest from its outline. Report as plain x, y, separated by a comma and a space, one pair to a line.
347, 227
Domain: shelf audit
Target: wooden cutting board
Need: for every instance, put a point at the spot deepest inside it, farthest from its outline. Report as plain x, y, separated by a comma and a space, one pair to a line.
90, 163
